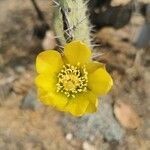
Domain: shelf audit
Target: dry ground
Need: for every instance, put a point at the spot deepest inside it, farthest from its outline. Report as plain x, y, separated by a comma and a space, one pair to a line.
40, 128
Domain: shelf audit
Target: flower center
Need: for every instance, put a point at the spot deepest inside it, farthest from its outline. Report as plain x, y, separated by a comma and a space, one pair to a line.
72, 80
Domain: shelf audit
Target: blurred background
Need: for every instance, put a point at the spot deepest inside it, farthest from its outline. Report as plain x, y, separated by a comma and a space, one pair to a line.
121, 31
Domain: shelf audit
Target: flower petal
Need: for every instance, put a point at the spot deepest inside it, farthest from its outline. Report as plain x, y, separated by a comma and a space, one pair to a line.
48, 61
93, 65
92, 107
42, 96
54, 99
100, 82
77, 106
46, 82
77, 52
47, 91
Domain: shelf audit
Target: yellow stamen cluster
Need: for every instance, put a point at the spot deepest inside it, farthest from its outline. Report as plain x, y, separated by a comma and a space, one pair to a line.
72, 80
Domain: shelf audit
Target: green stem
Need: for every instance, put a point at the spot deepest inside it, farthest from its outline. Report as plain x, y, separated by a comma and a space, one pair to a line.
71, 21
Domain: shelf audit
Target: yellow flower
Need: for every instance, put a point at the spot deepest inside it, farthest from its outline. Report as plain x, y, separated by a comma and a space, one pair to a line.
71, 82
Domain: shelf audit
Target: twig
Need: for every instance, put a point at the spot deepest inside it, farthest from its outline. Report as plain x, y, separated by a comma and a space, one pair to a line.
38, 11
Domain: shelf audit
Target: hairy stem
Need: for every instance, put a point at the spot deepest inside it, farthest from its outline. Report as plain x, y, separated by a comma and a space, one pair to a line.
71, 21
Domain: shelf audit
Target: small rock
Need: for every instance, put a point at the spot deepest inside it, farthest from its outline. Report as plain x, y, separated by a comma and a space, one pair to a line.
69, 136
142, 38
20, 69
49, 42
30, 101
125, 114
5, 88
91, 138
23, 84
115, 3
87, 146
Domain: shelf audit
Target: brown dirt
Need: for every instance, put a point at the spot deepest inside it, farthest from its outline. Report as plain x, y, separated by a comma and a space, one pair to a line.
40, 129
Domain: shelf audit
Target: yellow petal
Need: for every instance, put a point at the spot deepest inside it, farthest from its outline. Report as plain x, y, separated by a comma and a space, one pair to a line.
48, 61
93, 65
54, 99
46, 82
100, 82
77, 106
47, 91
92, 107
77, 52
42, 96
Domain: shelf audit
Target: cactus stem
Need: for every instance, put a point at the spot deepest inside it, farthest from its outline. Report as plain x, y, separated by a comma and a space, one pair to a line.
71, 21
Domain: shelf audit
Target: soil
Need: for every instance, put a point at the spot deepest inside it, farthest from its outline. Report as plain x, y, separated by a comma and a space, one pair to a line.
42, 128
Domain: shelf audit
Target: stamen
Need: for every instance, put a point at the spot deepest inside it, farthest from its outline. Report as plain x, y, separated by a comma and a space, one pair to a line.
72, 80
